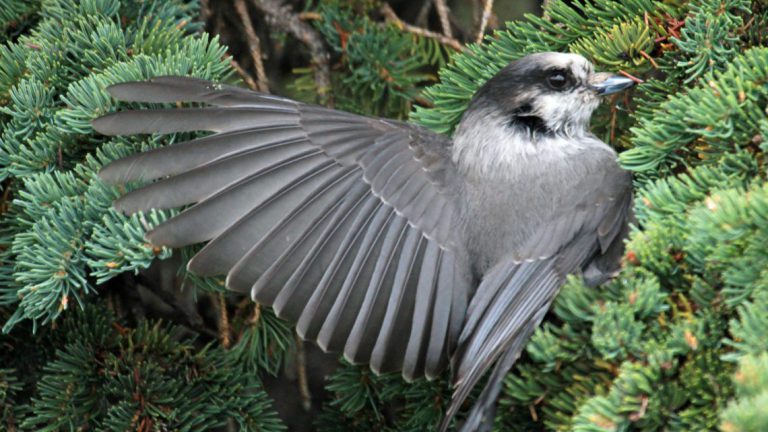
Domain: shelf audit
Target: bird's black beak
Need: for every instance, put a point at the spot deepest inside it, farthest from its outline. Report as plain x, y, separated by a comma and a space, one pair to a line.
612, 84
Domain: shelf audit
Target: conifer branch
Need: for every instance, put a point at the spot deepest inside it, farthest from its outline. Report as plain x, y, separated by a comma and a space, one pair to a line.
392, 17
281, 16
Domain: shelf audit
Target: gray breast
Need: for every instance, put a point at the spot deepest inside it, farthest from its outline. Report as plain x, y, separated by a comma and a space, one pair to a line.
504, 213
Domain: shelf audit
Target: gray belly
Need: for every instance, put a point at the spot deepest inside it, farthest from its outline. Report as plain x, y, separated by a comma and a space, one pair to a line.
500, 218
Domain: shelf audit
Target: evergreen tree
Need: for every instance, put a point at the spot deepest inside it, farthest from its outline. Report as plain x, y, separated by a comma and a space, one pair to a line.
676, 342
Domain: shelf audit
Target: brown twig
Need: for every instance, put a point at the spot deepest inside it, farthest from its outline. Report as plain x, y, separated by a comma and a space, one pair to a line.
114, 304
534, 415
390, 15
6, 200
443, 13
301, 369
245, 75
748, 24
632, 77
421, 17
487, 8
205, 11
310, 16
223, 323
545, 9
254, 46
649, 58
218, 23
256, 316
281, 15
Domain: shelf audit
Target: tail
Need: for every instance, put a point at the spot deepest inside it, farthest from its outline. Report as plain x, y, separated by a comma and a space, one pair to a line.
509, 304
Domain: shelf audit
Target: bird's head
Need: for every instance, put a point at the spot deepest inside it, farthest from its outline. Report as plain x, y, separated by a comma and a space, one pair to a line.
547, 93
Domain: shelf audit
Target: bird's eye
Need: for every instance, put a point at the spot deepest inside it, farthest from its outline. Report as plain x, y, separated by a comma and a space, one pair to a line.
557, 79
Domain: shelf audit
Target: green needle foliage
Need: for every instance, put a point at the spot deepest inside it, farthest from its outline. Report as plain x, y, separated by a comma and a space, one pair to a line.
162, 382
15, 16
380, 68
60, 238
62, 225
676, 342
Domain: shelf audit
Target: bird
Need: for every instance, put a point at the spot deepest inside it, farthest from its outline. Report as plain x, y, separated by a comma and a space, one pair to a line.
403, 249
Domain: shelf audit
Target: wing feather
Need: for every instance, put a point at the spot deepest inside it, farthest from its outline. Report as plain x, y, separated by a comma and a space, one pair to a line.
334, 273
204, 181
415, 354
289, 232
388, 353
185, 156
291, 299
437, 354
368, 322
338, 323
245, 225
213, 119
213, 216
519, 291
171, 89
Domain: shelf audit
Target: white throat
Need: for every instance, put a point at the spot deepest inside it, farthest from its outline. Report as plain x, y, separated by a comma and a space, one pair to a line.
486, 147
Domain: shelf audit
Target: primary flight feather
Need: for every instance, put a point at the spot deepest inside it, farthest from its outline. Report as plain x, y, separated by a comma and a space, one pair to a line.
402, 248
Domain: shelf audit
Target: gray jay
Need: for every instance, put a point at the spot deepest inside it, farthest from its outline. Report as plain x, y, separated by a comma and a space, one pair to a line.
404, 249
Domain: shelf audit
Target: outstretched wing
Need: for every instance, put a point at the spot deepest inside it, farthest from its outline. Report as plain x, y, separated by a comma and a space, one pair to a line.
512, 299
344, 224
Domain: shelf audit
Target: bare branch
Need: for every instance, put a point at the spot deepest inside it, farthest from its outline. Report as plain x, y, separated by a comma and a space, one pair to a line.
310, 16
421, 17
487, 9
254, 46
301, 369
223, 322
249, 81
390, 15
205, 11
443, 13
281, 15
